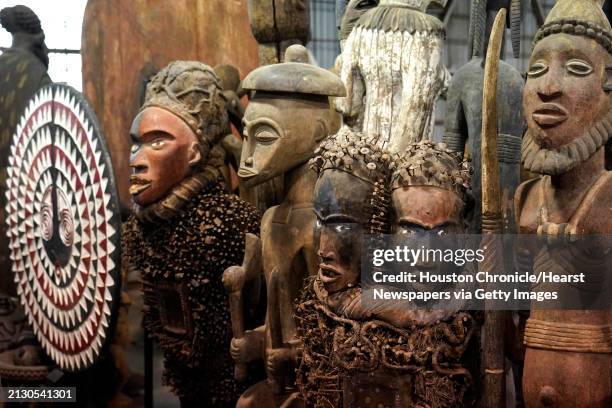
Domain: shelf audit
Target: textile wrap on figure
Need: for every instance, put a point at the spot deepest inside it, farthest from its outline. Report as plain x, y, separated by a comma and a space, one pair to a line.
393, 71
377, 364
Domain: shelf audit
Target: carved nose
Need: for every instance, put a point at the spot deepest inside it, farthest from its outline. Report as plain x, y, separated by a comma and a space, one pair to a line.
249, 162
326, 256
138, 168
550, 88
549, 95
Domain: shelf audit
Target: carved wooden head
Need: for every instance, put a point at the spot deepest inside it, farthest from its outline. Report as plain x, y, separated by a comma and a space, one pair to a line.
164, 151
566, 92
429, 200
350, 201
24, 26
288, 115
182, 118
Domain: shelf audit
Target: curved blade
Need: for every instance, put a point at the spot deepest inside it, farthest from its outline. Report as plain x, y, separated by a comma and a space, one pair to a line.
491, 199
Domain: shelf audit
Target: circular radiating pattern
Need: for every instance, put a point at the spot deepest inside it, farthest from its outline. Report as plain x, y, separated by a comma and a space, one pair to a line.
63, 226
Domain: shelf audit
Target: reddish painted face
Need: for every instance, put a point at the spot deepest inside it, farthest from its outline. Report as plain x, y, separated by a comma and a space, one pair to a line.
429, 217
564, 95
427, 208
164, 151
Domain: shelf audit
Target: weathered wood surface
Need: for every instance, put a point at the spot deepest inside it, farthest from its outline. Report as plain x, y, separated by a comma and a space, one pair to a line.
278, 24
124, 42
393, 71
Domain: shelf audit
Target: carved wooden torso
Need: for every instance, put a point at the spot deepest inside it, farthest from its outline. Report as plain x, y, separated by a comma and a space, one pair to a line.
568, 362
287, 244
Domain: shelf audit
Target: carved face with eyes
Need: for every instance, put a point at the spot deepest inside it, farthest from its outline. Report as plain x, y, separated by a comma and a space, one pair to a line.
341, 219
280, 133
564, 94
164, 151
430, 217
427, 208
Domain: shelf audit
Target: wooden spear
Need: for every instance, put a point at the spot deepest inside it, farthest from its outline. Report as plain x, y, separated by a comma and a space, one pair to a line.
493, 358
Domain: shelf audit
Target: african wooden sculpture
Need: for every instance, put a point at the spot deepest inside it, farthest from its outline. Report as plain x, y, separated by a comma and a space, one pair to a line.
288, 115
23, 70
22, 360
566, 102
393, 71
463, 121
186, 230
348, 13
149, 36
278, 24
368, 355
232, 92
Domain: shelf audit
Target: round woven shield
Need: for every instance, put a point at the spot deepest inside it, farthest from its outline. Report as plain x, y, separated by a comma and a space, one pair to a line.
63, 226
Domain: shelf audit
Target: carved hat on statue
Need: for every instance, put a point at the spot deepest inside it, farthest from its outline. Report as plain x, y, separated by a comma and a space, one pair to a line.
24, 26
295, 76
432, 164
191, 90
578, 17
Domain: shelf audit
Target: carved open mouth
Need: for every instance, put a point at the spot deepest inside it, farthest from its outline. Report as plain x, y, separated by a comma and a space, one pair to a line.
549, 115
138, 185
328, 273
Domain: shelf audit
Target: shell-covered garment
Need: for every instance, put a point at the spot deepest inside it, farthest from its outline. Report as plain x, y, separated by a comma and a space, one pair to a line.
186, 306
393, 71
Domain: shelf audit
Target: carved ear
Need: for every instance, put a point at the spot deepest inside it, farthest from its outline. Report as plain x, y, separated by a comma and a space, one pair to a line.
607, 86
195, 154
321, 130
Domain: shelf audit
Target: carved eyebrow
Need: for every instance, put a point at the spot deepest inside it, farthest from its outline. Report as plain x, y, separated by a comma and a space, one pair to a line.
335, 218
156, 134
410, 223
265, 122
339, 219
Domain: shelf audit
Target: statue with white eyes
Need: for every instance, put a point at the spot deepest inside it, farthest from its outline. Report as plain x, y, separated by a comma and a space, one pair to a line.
289, 114
186, 229
359, 352
567, 105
